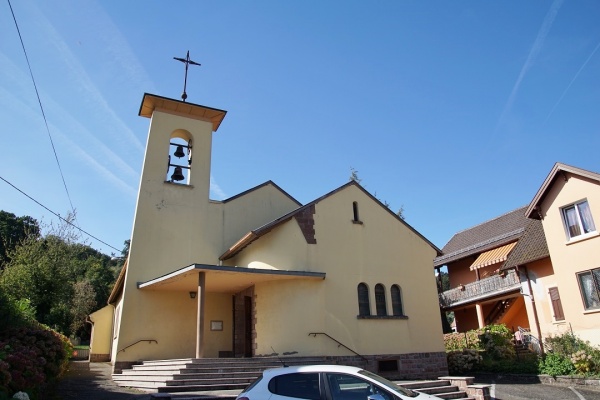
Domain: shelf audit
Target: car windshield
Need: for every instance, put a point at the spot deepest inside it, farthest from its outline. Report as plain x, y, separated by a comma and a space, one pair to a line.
388, 384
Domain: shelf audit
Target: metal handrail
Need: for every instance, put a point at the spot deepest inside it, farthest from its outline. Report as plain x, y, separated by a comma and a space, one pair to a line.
530, 340
314, 334
139, 341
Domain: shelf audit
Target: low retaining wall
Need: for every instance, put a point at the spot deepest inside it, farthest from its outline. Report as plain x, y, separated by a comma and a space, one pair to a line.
593, 383
570, 381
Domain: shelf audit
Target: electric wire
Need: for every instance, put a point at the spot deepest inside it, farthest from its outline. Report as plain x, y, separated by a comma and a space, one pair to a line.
41, 107
58, 215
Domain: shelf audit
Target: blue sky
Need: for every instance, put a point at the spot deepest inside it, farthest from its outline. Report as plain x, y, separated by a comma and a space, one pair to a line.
455, 111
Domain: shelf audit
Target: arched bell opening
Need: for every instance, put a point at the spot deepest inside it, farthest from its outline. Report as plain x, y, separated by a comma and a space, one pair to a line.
180, 157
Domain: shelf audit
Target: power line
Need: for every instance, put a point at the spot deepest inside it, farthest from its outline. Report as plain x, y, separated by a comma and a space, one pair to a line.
41, 108
58, 215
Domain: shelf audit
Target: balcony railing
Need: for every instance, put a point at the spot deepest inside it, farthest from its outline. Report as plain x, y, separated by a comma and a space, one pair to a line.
481, 289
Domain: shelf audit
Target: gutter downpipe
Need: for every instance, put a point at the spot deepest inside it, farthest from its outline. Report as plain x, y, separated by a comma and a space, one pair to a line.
535, 313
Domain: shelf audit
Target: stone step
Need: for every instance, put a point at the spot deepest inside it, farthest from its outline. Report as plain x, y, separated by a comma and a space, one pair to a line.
437, 389
200, 388
423, 384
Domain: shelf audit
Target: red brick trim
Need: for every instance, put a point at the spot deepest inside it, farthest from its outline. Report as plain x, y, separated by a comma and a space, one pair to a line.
306, 221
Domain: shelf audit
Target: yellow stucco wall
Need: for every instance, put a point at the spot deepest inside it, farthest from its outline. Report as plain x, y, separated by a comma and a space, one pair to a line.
176, 226
572, 256
102, 330
381, 250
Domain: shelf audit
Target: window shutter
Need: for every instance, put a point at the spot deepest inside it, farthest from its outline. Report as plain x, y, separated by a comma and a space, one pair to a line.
556, 304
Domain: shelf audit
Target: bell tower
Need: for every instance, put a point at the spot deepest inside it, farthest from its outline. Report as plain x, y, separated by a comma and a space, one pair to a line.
172, 209
174, 224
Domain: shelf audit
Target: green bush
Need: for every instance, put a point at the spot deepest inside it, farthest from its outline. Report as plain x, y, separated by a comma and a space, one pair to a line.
525, 365
462, 361
555, 364
583, 358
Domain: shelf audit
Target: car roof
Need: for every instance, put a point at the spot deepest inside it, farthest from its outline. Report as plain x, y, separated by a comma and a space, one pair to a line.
310, 368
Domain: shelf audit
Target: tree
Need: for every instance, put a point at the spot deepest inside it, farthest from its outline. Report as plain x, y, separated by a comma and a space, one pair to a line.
61, 279
84, 302
13, 230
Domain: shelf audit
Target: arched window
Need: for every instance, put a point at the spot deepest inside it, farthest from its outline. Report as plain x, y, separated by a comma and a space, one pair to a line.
397, 300
180, 157
380, 300
364, 307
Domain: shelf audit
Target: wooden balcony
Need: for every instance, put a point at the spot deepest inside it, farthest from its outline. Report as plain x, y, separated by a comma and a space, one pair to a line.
485, 288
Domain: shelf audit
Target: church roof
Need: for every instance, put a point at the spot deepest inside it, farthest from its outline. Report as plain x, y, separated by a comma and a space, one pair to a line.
263, 230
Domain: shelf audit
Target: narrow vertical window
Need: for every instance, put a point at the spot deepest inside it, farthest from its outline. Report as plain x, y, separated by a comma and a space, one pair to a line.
364, 307
355, 212
380, 300
559, 315
397, 301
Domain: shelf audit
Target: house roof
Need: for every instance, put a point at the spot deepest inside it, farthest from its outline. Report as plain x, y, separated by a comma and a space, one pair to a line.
532, 246
496, 232
263, 230
557, 171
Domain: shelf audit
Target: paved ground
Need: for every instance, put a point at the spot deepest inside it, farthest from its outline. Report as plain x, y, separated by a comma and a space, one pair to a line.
505, 388
91, 381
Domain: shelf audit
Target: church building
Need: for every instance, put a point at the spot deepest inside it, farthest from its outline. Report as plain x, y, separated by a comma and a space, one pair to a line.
260, 274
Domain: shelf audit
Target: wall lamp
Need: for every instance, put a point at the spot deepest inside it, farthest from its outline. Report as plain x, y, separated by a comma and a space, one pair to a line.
193, 295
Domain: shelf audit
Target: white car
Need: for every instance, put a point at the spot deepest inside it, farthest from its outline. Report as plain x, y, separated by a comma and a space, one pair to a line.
325, 382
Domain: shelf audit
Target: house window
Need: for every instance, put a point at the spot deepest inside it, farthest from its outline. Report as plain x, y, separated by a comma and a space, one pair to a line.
380, 300
589, 284
578, 219
559, 315
396, 301
364, 307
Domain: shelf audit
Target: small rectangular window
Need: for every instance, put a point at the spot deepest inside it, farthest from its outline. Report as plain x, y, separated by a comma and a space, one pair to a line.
589, 284
578, 219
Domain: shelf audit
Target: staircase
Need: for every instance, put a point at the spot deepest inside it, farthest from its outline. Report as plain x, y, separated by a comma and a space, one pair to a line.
500, 308
235, 374
440, 388
204, 374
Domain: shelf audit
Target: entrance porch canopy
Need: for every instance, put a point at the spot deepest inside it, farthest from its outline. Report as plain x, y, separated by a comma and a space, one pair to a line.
223, 279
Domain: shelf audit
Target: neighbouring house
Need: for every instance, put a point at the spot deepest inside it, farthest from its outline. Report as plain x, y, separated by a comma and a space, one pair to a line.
535, 268
568, 300
480, 293
259, 273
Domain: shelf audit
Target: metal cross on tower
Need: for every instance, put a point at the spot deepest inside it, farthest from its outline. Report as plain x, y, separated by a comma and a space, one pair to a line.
187, 62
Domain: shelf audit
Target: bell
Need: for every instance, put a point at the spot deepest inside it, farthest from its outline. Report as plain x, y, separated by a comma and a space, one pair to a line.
177, 174
179, 152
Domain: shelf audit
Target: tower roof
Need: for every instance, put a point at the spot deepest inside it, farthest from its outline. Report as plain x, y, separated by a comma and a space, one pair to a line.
152, 102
